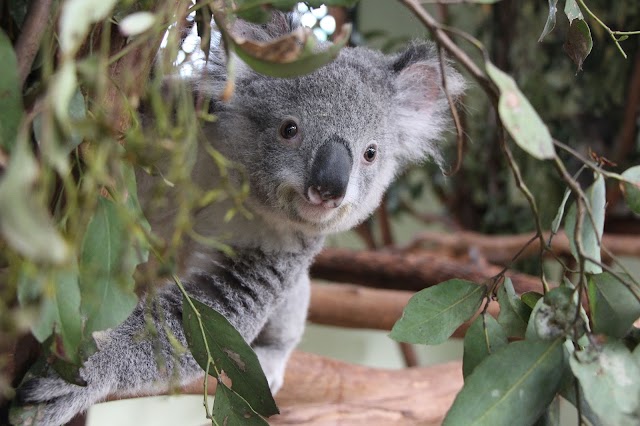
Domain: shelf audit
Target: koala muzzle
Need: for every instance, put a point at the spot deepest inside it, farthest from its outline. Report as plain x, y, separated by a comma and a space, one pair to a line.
329, 177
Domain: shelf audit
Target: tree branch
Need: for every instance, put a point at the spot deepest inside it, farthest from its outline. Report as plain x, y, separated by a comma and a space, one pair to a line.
499, 249
320, 391
28, 44
407, 271
352, 306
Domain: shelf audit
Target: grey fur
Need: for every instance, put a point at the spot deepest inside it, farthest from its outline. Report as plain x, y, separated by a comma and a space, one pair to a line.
362, 98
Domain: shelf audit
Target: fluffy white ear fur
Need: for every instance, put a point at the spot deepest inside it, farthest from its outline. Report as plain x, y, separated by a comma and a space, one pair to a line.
421, 106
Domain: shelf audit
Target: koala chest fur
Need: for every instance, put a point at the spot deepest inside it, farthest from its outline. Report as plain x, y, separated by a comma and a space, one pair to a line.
318, 152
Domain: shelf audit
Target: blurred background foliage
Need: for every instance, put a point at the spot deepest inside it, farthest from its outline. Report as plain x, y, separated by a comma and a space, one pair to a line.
584, 109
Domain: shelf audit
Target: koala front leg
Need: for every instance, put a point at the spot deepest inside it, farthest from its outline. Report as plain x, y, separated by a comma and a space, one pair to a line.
129, 361
282, 332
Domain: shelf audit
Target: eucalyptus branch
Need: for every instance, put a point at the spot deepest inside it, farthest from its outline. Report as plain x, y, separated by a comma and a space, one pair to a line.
578, 192
528, 195
454, 114
440, 36
613, 34
590, 164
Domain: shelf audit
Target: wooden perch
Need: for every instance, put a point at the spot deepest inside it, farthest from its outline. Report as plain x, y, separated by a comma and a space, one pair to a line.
321, 391
353, 306
499, 249
408, 271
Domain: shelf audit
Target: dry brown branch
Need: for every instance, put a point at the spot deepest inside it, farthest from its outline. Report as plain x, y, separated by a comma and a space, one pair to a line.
323, 391
499, 249
352, 306
408, 271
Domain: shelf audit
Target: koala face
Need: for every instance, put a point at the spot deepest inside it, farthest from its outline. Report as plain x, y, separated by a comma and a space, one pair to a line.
321, 149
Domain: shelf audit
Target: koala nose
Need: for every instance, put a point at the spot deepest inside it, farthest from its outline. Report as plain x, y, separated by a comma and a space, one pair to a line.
330, 172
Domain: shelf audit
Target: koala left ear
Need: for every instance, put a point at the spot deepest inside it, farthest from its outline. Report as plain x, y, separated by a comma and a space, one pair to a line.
421, 109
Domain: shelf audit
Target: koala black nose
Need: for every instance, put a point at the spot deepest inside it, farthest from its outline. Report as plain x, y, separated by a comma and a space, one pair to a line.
329, 177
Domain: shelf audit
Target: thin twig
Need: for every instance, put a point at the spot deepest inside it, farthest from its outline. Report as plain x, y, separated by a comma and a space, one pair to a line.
28, 44
441, 37
454, 115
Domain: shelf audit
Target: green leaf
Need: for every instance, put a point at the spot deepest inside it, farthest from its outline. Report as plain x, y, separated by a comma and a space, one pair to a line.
514, 313
56, 147
107, 263
530, 298
267, 58
551, 416
613, 306
590, 236
572, 10
136, 23
230, 354
608, 376
554, 315
518, 382
631, 188
230, 409
433, 314
11, 108
484, 337
551, 19
578, 43
555, 225
59, 314
25, 222
520, 119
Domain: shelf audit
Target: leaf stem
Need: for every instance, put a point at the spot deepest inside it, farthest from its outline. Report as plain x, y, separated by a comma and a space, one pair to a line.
612, 33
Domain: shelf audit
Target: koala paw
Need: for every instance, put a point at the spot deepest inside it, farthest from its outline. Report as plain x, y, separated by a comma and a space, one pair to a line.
50, 401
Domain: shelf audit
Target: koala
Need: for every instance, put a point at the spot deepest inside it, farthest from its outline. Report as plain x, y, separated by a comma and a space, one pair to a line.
319, 151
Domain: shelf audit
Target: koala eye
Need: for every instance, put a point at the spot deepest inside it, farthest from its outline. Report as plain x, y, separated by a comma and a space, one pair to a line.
370, 153
288, 129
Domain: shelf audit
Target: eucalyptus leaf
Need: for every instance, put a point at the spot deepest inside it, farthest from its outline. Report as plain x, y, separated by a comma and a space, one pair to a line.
608, 376
514, 313
530, 298
519, 381
520, 119
107, 263
551, 416
25, 222
555, 225
11, 108
555, 315
230, 409
551, 19
590, 236
484, 337
572, 10
230, 354
631, 188
136, 23
280, 61
433, 314
76, 19
614, 308
59, 296
578, 43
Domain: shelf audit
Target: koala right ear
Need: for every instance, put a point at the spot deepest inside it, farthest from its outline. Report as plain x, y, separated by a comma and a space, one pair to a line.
421, 109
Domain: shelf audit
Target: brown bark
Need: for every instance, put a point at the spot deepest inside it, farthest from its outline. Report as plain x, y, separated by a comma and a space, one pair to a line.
410, 271
322, 391
500, 249
352, 306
